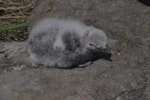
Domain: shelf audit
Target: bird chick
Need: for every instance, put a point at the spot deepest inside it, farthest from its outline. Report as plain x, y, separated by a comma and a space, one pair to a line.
66, 43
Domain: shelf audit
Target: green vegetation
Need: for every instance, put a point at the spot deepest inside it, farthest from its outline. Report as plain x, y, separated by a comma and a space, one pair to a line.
15, 26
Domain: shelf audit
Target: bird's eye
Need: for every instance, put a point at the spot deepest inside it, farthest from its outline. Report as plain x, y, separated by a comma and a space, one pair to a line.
91, 44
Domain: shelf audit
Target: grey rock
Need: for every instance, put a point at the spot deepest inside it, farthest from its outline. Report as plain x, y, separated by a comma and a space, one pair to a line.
126, 78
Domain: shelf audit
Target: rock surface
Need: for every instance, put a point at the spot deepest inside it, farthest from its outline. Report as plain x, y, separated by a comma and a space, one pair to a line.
126, 22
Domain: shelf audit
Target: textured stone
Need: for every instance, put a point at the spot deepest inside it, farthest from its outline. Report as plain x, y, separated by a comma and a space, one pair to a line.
126, 22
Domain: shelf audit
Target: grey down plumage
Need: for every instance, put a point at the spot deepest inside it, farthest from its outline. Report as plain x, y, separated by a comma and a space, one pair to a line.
65, 43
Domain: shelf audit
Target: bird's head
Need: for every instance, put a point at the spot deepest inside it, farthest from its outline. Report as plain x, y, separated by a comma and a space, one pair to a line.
96, 41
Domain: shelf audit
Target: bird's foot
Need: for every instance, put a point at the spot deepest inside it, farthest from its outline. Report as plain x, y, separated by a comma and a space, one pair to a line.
85, 64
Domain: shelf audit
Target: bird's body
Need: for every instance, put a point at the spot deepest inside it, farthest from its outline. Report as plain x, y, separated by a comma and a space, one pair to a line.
64, 43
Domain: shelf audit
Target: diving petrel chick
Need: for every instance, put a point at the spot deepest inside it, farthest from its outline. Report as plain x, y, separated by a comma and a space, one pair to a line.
66, 43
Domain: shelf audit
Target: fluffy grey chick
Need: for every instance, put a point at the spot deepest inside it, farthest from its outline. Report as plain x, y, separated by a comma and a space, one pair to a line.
66, 43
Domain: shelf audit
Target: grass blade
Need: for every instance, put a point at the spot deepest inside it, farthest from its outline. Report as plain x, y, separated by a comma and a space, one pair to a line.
15, 26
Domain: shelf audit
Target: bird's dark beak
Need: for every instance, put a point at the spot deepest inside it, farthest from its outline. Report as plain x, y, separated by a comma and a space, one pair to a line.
106, 54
